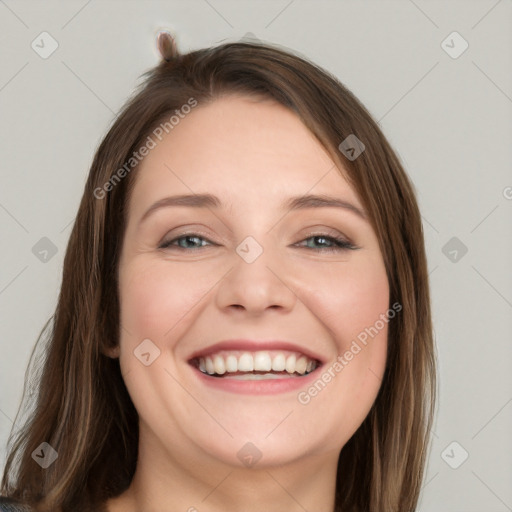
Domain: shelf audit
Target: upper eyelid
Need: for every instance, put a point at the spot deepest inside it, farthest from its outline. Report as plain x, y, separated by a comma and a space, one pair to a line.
312, 232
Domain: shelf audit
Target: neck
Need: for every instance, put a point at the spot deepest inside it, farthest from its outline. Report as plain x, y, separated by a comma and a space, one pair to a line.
191, 481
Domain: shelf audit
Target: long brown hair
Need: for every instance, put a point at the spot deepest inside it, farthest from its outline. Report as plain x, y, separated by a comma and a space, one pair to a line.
82, 408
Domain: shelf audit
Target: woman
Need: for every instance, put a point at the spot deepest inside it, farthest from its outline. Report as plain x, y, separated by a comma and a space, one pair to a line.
282, 361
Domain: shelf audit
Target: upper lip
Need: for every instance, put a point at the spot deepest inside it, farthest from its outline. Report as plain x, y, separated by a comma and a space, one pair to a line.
254, 346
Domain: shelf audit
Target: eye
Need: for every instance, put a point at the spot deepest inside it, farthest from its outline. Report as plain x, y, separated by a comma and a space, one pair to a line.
192, 237
336, 243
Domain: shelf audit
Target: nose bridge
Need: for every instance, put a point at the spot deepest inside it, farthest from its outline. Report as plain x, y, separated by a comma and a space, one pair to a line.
257, 279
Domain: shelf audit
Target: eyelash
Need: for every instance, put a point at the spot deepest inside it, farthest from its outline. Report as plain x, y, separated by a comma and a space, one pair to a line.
340, 243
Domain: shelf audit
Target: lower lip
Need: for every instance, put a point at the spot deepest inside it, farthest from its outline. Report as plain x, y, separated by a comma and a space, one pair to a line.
257, 387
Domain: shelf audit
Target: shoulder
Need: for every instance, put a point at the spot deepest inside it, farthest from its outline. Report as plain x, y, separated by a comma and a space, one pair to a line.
9, 505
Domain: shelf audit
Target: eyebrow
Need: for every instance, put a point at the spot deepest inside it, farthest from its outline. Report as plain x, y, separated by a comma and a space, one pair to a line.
291, 204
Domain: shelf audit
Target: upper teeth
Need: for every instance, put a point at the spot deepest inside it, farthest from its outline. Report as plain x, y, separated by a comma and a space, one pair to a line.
230, 362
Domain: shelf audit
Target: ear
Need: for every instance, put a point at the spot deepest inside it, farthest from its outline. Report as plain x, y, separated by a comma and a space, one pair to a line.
112, 352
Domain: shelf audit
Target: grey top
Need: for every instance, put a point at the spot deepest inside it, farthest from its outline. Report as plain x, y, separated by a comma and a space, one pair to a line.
8, 505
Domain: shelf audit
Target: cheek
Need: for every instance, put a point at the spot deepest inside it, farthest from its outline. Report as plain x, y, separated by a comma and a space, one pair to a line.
158, 301
348, 298
155, 296
349, 302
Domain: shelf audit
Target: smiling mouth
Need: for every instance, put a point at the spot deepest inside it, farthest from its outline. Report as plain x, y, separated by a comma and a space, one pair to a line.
260, 365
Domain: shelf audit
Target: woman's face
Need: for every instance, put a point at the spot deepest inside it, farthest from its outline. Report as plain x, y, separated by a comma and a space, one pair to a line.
246, 281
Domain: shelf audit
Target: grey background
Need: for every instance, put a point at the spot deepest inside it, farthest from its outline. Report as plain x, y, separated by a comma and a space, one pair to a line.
449, 120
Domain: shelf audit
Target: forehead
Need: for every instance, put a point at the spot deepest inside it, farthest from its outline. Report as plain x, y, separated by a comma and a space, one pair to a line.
243, 147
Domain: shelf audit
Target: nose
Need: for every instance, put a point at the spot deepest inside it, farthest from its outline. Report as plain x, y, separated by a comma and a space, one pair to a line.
255, 285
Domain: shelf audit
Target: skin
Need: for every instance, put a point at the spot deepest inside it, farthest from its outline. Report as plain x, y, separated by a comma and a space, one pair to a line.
252, 154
